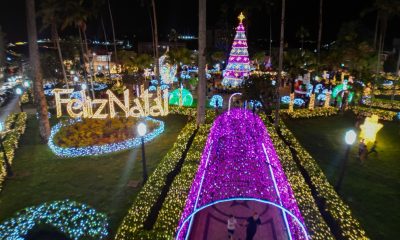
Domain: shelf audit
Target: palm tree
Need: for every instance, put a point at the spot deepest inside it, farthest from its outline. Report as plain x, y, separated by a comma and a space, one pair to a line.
40, 100
77, 14
302, 33
319, 37
155, 35
49, 10
201, 103
179, 56
280, 65
113, 32
2, 49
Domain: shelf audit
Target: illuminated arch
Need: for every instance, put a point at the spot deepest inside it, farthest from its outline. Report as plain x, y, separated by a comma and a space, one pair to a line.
241, 199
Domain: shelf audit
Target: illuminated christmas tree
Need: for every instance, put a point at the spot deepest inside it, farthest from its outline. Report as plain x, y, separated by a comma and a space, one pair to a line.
238, 67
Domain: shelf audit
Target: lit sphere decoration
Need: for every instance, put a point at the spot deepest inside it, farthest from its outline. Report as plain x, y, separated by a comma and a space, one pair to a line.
101, 149
175, 97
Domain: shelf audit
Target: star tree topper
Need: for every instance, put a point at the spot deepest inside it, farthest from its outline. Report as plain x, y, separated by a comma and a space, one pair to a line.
241, 17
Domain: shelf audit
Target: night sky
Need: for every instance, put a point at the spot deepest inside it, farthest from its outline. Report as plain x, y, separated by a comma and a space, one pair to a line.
131, 19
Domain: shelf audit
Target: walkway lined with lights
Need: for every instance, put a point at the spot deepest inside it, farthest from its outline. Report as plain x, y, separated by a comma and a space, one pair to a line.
239, 162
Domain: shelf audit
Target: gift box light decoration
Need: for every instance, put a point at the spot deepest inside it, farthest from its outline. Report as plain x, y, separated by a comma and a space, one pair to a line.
238, 66
239, 161
101, 149
71, 218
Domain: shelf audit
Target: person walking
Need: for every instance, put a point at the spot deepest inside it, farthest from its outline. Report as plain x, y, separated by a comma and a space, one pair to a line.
231, 226
252, 224
373, 148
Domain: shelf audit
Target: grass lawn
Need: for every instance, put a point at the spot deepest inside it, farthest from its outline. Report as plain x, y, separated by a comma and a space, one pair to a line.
101, 181
371, 190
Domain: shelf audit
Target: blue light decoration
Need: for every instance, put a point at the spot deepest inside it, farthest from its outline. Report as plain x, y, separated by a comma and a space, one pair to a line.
48, 88
297, 101
164, 86
175, 97
154, 82
398, 115
185, 75
256, 103
214, 99
152, 88
101, 149
74, 219
285, 99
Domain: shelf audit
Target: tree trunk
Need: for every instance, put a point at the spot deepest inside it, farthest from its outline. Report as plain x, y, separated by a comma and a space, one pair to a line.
113, 31
89, 62
376, 29
83, 56
105, 39
319, 34
280, 66
40, 100
201, 91
156, 40
60, 56
152, 32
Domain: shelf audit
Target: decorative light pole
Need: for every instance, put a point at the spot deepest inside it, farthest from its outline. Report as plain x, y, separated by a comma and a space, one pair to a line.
19, 91
7, 165
349, 138
142, 129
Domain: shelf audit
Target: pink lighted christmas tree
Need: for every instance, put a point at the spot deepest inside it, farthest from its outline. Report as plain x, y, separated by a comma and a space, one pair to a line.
238, 66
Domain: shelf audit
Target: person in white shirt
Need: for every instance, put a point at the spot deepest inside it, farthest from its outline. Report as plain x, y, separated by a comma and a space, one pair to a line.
231, 226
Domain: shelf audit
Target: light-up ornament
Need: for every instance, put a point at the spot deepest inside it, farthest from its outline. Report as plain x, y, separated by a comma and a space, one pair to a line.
167, 72
370, 128
216, 99
76, 78
350, 137
339, 90
181, 96
238, 67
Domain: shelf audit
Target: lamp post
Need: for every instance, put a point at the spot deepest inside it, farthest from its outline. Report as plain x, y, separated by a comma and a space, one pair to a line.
19, 92
349, 138
142, 129
7, 165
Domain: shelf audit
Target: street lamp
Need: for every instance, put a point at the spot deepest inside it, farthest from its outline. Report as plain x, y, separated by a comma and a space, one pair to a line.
349, 138
19, 92
7, 165
142, 129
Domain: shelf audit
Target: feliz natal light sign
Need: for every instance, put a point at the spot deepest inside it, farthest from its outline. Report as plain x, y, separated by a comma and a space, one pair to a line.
85, 107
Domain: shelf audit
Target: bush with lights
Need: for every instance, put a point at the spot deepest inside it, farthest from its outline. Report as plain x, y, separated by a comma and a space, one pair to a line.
367, 112
310, 113
133, 222
349, 227
383, 103
15, 125
90, 132
77, 221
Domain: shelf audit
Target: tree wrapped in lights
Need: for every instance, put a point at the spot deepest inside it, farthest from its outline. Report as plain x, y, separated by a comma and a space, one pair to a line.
238, 67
